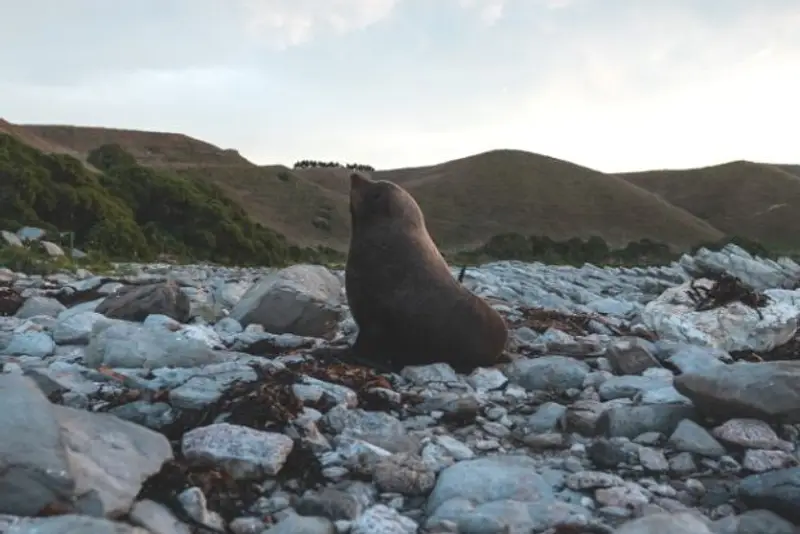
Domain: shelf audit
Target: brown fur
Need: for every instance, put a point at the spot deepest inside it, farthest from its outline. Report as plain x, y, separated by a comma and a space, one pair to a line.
409, 308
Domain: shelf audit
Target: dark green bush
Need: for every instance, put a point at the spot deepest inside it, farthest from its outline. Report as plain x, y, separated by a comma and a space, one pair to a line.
594, 250
131, 212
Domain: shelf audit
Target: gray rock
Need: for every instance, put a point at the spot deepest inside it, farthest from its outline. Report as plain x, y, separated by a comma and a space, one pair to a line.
733, 327
653, 460
493, 478
109, 458
71, 524
208, 384
691, 437
135, 303
330, 503
486, 378
611, 306
36, 470
152, 415
33, 344
631, 421
733, 259
425, 374
123, 344
547, 418
379, 429
36, 305
244, 452
583, 417
403, 473
627, 496
776, 491
631, 356
584, 480
76, 329
51, 249
296, 524
665, 523
517, 517
627, 387
156, 518
56, 454
769, 390
692, 358
754, 522
301, 299
380, 519
663, 395
749, 433
682, 464
551, 373
10, 239
760, 461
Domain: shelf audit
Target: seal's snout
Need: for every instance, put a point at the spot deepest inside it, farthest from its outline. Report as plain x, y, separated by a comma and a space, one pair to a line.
358, 180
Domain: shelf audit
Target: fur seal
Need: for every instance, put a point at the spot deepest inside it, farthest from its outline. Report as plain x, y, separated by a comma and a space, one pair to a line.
409, 308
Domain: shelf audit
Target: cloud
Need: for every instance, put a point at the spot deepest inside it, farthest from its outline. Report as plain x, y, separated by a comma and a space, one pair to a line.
558, 4
489, 11
607, 83
285, 23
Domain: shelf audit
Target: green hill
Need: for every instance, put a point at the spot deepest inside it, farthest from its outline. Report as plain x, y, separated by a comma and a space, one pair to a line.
130, 211
466, 201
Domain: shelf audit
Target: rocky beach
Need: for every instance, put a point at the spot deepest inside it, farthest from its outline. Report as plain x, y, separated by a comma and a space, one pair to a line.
170, 399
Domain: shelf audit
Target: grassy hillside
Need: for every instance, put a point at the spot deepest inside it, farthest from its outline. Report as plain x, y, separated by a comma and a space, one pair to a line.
466, 201
469, 200
129, 210
155, 149
791, 169
30, 138
753, 200
285, 200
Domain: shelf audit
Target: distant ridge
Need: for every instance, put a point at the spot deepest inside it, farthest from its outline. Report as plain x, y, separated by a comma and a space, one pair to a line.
470, 199
157, 149
758, 201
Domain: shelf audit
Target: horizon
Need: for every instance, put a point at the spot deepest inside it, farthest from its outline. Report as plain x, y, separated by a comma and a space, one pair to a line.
389, 169
612, 85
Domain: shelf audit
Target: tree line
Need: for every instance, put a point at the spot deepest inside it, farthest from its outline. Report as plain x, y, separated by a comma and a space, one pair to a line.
311, 164
595, 250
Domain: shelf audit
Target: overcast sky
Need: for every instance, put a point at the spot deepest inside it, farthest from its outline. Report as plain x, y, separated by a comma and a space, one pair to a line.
611, 84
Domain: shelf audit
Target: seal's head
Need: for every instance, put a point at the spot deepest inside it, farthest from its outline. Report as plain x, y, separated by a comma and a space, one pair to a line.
374, 202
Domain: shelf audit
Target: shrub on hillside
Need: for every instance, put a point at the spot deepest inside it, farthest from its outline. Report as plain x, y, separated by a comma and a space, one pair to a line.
594, 250
310, 164
33, 260
133, 212
577, 251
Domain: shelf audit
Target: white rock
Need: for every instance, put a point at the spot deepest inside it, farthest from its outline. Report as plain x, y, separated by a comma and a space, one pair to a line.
733, 327
243, 451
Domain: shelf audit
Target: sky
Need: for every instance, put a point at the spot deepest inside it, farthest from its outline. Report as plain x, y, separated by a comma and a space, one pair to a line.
616, 85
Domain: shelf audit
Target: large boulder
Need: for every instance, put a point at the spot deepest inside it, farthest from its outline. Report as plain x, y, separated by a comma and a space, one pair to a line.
130, 345
733, 327
768, 390
135, 303
304, 300
59, 457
